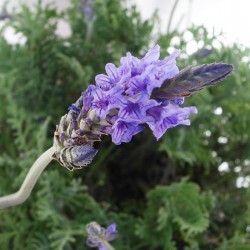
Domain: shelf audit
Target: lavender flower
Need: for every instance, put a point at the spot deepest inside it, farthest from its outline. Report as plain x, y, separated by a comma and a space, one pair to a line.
136, 79
99, 237
138, 92
85, 7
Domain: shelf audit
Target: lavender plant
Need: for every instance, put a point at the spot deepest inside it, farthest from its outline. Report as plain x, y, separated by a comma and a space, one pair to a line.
40, 78
140, 91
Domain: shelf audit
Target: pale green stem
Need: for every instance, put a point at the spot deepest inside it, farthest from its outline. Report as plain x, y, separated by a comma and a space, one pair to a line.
89, 30
109, 247
30, 180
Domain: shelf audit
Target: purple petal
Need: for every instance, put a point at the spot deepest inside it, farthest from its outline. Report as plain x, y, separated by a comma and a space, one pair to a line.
92, 242
135, 108
100, 103
123, 131
167, 68
155, 113
152, 55
103, 82
111, 228
173, 56
133, 63
111, 232
130, 60
104, 101
144, 82
112, 236
166, 117
87, 98
136, 85
112, 72
132, 111
115, 97
179, 100
124, 73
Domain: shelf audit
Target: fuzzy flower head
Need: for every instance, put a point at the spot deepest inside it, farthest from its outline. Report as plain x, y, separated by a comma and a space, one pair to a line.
99, 236
139, 92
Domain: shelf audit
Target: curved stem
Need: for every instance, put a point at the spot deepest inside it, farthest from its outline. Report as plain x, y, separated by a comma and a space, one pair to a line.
108, 246
30, 180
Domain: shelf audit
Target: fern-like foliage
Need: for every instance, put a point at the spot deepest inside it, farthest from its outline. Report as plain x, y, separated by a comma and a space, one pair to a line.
178, 209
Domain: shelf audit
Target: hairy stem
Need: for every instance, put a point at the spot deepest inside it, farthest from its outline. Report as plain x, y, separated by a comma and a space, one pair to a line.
30, 180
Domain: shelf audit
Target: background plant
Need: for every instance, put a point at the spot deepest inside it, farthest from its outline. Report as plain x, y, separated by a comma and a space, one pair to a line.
140, 185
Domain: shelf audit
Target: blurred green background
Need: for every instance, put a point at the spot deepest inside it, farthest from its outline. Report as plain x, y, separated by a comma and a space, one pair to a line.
188, 191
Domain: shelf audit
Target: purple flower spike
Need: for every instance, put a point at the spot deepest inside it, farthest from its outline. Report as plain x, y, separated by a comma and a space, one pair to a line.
137, 92
99, 236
